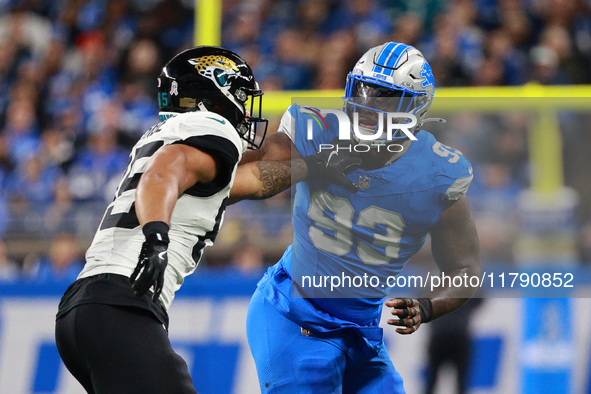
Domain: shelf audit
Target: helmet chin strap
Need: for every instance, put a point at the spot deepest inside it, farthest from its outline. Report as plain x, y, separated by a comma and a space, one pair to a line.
440, 120
202, 107
419, 125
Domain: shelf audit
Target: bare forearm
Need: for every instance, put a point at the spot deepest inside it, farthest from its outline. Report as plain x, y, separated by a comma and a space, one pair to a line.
276, 176
456, 250
156, 198
277, 147
263, 179
446, 299
252, 155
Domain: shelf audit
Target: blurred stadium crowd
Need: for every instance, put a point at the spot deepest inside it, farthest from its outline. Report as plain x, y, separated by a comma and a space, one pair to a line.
79, 87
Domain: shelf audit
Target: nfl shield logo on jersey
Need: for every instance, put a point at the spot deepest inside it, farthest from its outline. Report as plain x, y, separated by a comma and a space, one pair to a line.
363, 181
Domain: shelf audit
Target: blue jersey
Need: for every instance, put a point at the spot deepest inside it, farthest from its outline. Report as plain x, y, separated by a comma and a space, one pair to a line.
374, 231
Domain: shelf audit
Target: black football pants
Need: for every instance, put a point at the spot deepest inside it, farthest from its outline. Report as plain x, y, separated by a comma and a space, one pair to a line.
120, 350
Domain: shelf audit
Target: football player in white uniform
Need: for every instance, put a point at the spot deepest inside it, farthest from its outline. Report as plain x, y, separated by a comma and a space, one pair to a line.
169, 205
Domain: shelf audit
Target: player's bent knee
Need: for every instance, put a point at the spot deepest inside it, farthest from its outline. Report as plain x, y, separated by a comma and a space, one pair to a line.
320, 375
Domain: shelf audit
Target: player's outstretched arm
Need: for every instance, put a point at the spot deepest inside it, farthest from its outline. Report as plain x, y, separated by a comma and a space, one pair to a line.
264, 172
256, 170
171, 170
263, 179
456, 250
277, 147
274, 172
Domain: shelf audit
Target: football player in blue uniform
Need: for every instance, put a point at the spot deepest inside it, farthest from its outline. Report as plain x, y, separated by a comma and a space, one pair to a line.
317, 339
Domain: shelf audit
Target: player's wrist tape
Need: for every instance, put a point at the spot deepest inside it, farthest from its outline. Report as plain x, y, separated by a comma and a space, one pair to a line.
159, 230
426, 309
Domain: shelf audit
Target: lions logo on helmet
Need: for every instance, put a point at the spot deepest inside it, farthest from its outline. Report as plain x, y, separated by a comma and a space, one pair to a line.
219, 69
392, 77
427, 75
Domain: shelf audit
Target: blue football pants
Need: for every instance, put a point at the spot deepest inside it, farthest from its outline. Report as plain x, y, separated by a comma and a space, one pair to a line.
288, 361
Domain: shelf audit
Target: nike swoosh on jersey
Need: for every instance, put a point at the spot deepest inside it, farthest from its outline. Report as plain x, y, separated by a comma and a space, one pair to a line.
161, 255
217, 120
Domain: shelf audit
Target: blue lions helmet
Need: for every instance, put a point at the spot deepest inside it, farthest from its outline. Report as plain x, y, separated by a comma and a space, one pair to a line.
392, 77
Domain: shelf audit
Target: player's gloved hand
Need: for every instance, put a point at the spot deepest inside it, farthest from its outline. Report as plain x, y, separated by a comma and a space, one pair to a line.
153, 260
411, 313
332, 165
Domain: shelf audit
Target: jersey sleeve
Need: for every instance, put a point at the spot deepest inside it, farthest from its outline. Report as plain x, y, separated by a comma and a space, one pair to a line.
455, 171
211, 133
460, 187
285, 126
295, 125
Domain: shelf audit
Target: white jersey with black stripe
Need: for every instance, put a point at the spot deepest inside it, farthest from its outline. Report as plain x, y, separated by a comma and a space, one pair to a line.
198, 213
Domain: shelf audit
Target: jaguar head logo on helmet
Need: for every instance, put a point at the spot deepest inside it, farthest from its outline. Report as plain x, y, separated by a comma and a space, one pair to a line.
208, 78
392, 77
219, 69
